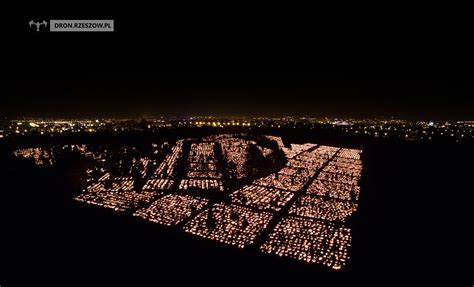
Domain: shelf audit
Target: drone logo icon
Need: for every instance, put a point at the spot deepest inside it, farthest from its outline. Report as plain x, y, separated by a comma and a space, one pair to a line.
38, 24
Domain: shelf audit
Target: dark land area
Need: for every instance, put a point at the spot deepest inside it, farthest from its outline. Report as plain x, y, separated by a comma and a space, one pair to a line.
412, 225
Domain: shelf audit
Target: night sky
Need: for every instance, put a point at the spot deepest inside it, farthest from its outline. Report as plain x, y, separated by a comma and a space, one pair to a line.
137, 95
380, 68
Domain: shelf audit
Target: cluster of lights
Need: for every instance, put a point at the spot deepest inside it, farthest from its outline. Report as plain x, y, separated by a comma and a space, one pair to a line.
334, 189
202, 161
202, 166
350, 163
142, 165
114, 186
349, 153
220, 124
96, 187
229, 224
319, 208
39, 155
296, 171
204, 184
167, 167
118, 201
261, 197
172, 209
343, 166
80, 148
299, 170
106, 176
35, 126
218, 137
311, 164
158, 184
235, 151
339, 177
325, 152
202, 152
310, 240
100, 170
296, 149
314, 159
204, 170
282, 181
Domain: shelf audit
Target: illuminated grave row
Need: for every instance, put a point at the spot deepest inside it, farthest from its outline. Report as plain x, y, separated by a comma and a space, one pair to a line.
172, 209
261, 197
167, 167
118, 201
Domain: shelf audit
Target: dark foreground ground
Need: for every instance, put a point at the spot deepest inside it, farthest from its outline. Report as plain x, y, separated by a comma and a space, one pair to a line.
413, 226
